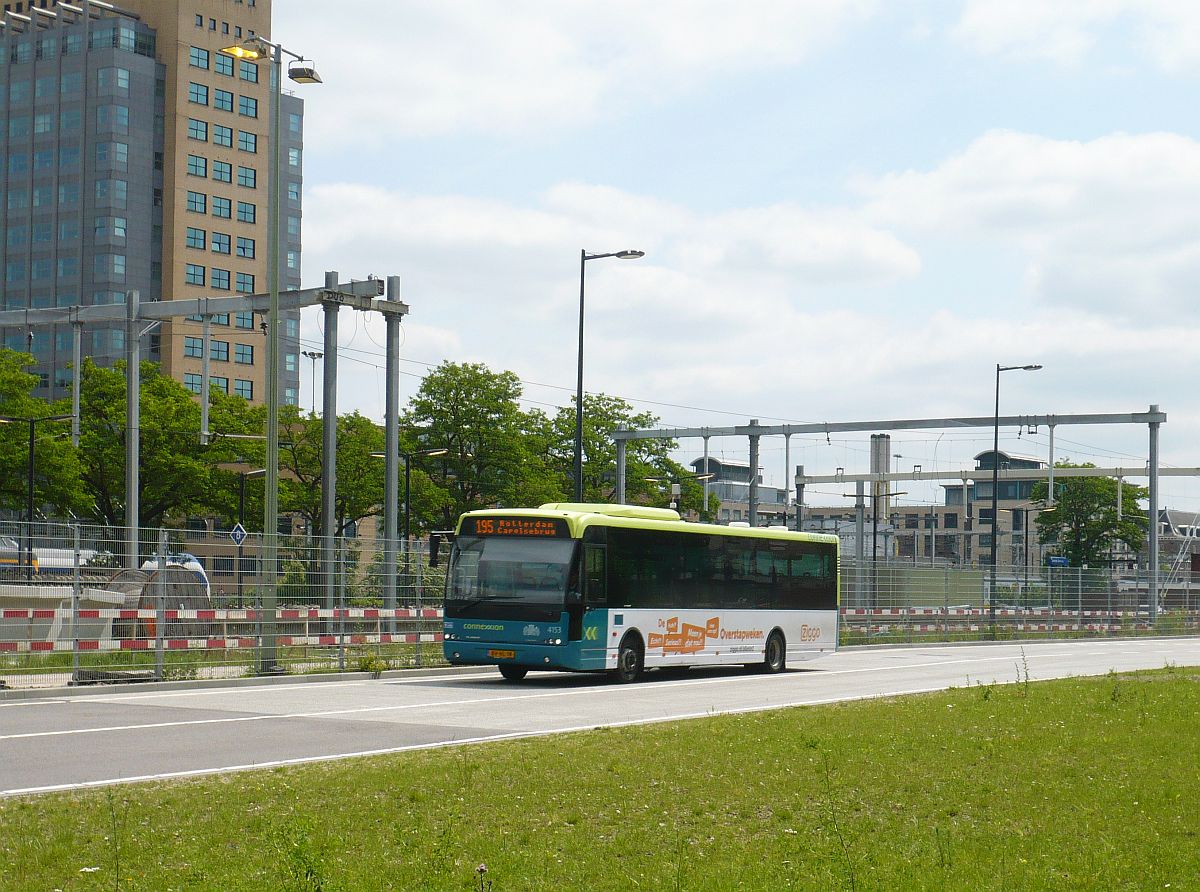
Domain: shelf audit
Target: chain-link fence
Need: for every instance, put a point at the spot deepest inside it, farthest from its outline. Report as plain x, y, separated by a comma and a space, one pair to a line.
886, 601
74, 610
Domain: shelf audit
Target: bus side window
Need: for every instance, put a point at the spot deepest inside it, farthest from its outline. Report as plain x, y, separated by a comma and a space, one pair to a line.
595, 587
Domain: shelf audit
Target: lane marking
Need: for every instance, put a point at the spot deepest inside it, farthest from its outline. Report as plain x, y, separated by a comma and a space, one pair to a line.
590, 690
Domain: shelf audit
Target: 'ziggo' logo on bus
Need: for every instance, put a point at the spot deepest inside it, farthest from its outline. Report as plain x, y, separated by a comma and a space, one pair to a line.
810, 633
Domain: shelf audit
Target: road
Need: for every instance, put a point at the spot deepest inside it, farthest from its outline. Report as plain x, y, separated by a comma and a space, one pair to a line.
95, 738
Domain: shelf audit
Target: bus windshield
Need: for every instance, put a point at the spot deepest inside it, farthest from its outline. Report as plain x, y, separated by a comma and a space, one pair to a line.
519, 579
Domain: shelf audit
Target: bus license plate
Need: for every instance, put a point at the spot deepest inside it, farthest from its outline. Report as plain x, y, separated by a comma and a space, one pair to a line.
502, 654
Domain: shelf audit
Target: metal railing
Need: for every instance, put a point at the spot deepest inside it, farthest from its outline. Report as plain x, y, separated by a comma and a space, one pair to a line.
73, 611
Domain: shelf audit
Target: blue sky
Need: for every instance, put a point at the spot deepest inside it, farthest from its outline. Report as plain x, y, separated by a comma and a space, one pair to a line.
851, 209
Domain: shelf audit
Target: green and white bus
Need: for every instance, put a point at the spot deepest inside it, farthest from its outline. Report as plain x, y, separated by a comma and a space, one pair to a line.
623, 588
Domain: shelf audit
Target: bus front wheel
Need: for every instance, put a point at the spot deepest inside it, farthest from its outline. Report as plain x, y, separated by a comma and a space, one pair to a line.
775, 658
513, 673
629, 660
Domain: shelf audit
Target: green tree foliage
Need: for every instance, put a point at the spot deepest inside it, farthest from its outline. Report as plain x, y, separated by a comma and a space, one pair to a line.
497, 450
56, 463
359, 474
649, 468
1084, 519
178, 474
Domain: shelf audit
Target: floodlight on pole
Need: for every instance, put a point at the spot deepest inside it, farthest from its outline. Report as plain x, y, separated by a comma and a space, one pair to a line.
254, 50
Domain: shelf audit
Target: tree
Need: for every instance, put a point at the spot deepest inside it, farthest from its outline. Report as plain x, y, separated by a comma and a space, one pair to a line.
1084, 521
602, 414
56, 462
497, 451
178, 474
359, 474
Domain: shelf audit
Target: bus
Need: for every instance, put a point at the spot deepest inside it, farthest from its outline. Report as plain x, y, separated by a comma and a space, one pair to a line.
624, 588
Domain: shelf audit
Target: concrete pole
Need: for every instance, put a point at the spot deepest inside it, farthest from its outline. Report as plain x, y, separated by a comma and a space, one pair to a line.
329, 444
1153, 517
391, 449
205, 348
77, 376
620, 493
799, 498
707, 481
859, 533
787, 466
1050, 472
133, 426
753, 498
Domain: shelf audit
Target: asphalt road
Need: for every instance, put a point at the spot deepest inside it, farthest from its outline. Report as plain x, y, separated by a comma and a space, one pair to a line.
94, 738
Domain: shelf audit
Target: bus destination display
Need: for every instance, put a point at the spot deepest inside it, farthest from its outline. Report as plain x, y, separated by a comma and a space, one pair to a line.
525, 527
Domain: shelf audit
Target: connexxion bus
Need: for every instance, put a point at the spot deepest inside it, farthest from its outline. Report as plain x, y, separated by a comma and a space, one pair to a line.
623, 588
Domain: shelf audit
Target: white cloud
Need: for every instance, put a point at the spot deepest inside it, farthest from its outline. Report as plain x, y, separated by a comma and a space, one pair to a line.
1112, 223
394, 70
1067, 31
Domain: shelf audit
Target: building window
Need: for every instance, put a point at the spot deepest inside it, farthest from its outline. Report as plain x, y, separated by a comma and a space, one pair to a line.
246, 212
196, 238
220, 243
197, 130
68, 195
113, 82
244, 319
221, 384
243, 388
197, 166
192, 382
289, 396
247, 107
194, 274
223, 100
248, 71
293, 190
197, 93
293, 227
247, 177
219, 350
293, 260
114, 154
290, 361
245, 248
197, 202
222, 136
243, 353
294, 123
222, 171
293, 157
198, 58
219, 279
69, 118
68, 267
223, 64
221, 207
247, 142
112, 119
43, 122
245, 283
114, 193
110, 267
110, 227
193, 347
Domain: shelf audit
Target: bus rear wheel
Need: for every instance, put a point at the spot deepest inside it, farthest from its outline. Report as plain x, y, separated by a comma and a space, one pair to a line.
629, 660
775, 657
513, 673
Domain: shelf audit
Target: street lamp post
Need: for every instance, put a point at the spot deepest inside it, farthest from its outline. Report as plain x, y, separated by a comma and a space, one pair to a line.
584, 257
32, 422
252, 50
995, 485
314, 355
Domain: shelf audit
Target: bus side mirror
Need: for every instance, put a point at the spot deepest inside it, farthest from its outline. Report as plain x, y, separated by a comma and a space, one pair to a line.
435, 543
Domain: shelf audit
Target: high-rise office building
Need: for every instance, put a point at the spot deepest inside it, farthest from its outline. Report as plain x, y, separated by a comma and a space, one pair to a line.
135, 156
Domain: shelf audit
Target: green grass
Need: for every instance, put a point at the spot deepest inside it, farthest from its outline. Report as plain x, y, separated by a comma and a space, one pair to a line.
1078, 784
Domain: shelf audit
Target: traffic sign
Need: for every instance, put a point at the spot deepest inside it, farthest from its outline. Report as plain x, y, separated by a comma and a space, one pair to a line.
238, 534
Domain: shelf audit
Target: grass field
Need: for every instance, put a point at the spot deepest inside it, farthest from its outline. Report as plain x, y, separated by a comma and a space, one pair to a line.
1080, 784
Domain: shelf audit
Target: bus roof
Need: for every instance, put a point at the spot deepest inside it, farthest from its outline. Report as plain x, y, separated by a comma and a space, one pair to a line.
581, 515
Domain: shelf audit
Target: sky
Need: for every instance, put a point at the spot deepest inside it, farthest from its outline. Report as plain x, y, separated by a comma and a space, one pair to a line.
851, 210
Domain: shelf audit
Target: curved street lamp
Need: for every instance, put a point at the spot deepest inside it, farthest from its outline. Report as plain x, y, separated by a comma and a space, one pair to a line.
584, 257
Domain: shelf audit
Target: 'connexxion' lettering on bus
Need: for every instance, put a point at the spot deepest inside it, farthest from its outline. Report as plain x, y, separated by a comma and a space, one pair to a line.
624, 588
